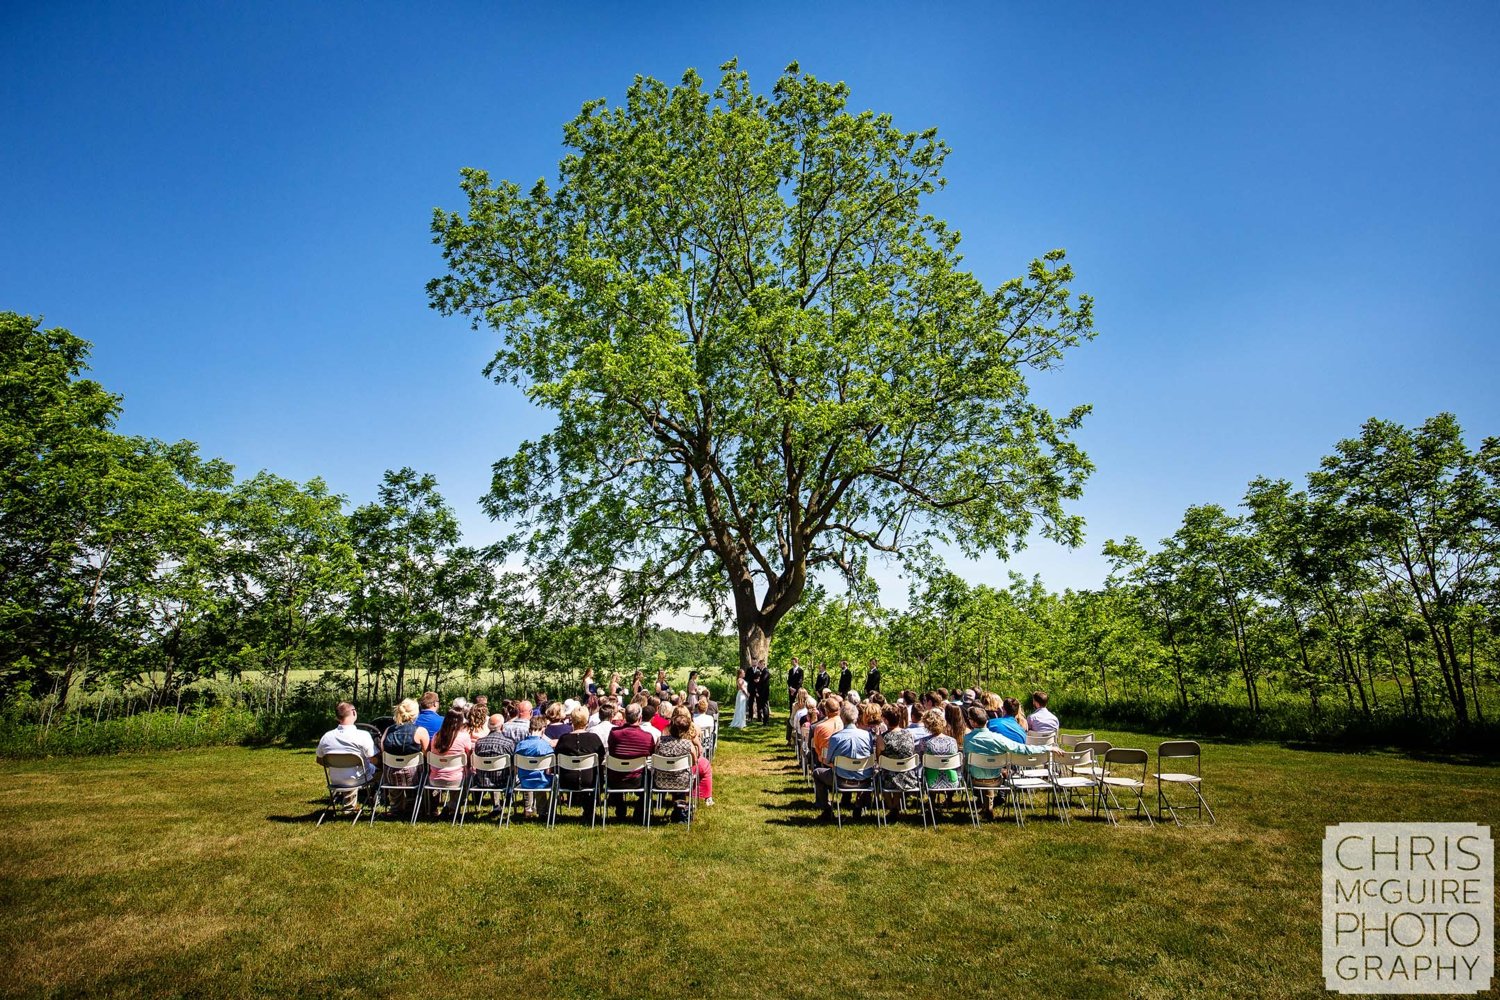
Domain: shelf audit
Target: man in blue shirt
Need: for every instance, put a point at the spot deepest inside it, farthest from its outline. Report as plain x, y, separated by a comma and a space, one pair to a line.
852, 741
982, 738
429, 718
534, 745
1007, 725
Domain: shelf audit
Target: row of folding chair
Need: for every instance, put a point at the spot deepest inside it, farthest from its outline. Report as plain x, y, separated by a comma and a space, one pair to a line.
1087, 768
500, 779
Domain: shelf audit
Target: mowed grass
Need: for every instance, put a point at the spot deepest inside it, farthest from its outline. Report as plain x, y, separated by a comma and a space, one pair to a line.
202, 873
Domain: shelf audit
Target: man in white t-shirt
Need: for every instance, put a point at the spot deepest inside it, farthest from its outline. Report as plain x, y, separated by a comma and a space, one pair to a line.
1042, 722
346, 737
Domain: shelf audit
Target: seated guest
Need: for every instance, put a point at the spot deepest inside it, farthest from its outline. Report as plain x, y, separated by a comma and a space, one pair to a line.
452, 737
801, 705
850, 741
1042, 721
658, 722
478, 721
870, 719
405, 736
630, 741
430, 718
705, 720
939, 744
679, 742
896, 743
982, 739
535, 744
610, 716
346, 737
520, 727
495, 743
831, 723
1007, 725
918, 728
557, 724
580, 743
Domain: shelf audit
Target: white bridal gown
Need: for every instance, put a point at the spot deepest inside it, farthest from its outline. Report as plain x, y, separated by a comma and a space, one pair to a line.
740, 698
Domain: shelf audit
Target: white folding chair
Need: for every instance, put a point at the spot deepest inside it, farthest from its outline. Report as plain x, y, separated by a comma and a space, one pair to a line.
1066, 781
1070, 741
986, 762
1037, 739
620, 779
1125, 760
525, 764
674, 765
399, 774
588, 763
442, 786
940, 762
344, 793
488, 776
842, 785
887, 770
1181, 750
1026, 775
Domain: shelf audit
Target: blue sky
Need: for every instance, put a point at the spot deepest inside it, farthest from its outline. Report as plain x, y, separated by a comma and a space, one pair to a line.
1288, 214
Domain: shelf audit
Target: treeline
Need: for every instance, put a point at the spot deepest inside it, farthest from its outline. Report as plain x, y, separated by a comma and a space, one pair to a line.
137, 574
1362, 604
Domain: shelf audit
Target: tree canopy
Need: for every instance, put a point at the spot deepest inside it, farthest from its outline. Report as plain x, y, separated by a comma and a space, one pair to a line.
765, 358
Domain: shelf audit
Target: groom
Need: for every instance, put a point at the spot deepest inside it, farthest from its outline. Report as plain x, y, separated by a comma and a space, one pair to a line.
762, 691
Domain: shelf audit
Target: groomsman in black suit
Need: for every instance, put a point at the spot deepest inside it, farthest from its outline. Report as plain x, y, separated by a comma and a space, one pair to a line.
763, 694
846, 680
821, 684
872, 678
793, 680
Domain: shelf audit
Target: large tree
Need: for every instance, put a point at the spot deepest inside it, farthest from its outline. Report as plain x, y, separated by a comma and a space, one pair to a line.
765, 359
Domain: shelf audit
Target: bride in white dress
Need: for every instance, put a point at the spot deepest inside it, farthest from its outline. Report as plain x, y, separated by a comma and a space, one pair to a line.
741, 697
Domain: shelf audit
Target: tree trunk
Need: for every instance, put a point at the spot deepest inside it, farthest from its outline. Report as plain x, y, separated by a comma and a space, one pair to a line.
755, 643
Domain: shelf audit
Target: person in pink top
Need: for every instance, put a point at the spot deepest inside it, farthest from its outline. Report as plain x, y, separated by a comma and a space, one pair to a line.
454, 737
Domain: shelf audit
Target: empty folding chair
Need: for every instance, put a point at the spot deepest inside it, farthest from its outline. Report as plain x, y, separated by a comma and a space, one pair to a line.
533, 776
1070, 741
623, 776
934, 769
400, 777
581, 771
1025, 776
896, 776
1176, 750
843, 785
345, 789
488, 776
1066, 781
1092, 765
436, 786
1038, 739
1119, 775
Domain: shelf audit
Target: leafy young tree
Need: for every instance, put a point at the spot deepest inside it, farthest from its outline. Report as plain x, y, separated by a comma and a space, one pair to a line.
764, 357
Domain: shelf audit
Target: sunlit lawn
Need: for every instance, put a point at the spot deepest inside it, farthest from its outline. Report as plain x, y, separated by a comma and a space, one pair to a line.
202, 873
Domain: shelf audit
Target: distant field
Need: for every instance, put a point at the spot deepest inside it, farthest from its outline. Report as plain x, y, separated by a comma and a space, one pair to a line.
201, 873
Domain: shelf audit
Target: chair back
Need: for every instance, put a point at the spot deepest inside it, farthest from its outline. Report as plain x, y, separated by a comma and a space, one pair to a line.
352, 761
400, 761
988, 761
1038, 739
1127, 757
1182, 750
1070, 741
587, 762
479, 762
1094, 748
446, 760
1065, 760
898, 765
623, 765
677, 762
526, 762
942, 761
1028, 762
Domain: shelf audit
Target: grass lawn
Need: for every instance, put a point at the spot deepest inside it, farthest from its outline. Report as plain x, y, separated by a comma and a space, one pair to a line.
202, 873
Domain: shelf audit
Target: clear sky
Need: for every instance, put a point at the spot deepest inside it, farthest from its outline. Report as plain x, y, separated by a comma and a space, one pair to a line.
1288, 214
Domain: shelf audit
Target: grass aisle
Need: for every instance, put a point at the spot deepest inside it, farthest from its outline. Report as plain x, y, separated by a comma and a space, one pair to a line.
201, 873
